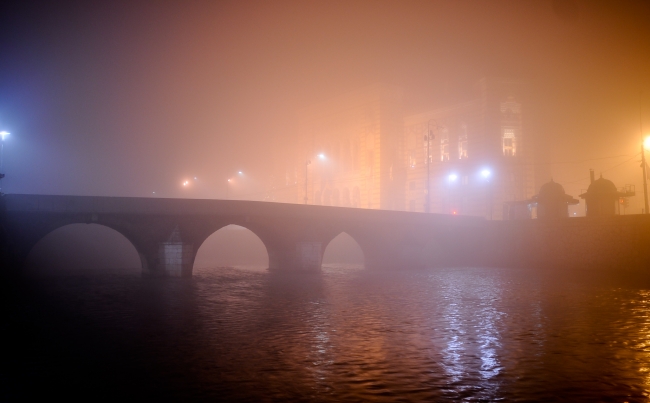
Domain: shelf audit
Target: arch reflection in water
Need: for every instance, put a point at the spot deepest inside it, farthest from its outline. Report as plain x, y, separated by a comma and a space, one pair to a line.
343, 250
232, 246
75, 247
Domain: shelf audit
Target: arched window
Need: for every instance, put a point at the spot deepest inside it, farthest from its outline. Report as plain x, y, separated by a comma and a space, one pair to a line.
356, 197
346, 197
327, 197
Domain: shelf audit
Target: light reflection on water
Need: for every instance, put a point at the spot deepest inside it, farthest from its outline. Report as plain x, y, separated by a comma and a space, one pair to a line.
350, 334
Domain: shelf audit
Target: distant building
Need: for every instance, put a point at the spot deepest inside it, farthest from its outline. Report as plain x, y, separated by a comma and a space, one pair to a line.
472, 157
480, 157
346, 152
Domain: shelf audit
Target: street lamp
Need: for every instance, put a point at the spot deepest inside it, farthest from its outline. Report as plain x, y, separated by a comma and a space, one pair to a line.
321, 157
307, 163
646, 144
230, 181
3, 136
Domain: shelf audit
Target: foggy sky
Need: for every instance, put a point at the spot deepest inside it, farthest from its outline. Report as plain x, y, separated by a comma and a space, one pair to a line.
127, 98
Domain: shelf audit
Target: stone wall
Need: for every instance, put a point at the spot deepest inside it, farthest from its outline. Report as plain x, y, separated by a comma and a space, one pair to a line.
619, 243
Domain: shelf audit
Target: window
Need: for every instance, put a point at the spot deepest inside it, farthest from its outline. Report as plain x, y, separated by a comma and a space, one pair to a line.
412, 158
510, 107
462, 142
509, 142
346, 197
335, 198
327, 197
444, 145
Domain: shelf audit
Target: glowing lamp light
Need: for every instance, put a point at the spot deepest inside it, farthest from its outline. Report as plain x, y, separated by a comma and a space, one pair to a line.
186, 183
454, 212
486, 173
229, 180
452, 177
240, 172
646, 142
321, 156
4, 134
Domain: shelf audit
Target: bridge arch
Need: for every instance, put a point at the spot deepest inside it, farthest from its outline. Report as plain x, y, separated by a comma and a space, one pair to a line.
343, 248
79, 245
232, 245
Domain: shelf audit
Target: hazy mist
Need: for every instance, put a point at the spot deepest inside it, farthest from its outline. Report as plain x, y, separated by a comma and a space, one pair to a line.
130, 98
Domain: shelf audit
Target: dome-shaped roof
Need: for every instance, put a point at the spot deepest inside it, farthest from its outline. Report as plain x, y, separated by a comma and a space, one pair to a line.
551, 190
602, 186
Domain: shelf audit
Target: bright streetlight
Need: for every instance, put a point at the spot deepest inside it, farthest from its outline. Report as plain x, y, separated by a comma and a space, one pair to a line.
486, 173
645, 145
452, 177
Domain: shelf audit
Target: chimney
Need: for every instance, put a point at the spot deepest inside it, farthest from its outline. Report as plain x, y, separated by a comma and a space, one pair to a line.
591, 175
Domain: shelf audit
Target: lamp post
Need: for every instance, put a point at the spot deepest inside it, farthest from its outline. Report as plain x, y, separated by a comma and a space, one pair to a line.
430, 136
229, 182
3, 136
307, 163
644, 145
320, 156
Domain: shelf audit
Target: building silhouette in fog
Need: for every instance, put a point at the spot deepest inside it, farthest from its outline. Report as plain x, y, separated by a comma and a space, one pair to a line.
362, 150
602, 197
553, 202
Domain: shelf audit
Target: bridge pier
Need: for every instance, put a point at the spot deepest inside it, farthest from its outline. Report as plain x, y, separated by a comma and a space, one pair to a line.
171, 258
301, 256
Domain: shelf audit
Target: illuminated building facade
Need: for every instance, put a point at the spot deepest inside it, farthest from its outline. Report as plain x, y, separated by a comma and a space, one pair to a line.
478, 154
347, 153
472, 157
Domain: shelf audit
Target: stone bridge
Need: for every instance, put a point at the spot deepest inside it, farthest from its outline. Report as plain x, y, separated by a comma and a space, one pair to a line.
167, 233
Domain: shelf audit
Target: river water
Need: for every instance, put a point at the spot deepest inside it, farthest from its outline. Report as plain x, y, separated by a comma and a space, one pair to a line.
346, 334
